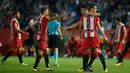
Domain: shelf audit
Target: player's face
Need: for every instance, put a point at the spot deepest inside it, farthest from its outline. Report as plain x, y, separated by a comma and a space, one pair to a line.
82, 10
18, 15
86, 10
116, 22
94, 9
46, 12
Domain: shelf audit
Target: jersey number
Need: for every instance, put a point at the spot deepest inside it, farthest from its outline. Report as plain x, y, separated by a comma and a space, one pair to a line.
88, 23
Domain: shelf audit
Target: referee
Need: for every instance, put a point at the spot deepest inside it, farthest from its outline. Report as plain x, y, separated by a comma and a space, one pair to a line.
54, 36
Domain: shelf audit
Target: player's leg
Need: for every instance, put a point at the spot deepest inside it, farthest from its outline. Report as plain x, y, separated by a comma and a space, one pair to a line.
33, 50
93, 43
37, 61
20, 52
12, 49
85, 54
85, 60
96, 52
6, 57
93, 57
118, 57
56, 57
46, 57
102, 59
127, 46
84, 63
119, 48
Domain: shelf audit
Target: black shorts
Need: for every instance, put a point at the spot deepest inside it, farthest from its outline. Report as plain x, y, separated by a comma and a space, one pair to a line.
29, 42
127, 45
53, 41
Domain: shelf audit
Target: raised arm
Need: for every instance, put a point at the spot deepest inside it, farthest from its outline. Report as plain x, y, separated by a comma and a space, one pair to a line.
57, 17
73, 26
93, 14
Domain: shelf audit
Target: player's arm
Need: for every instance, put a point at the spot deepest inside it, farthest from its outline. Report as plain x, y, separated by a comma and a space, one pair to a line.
100, 30
124, 35
56, 17
59, 31
93, 14
114, 37
80, 28
80, 24
73, 26
19, 31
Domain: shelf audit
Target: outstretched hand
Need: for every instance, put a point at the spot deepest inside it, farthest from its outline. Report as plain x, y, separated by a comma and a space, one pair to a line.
25, 33
106, 39
65, 15
64, 27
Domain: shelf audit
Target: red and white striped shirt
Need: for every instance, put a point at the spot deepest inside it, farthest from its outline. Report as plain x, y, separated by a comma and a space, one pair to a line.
89, 25
119, 32
43, 21
14, 32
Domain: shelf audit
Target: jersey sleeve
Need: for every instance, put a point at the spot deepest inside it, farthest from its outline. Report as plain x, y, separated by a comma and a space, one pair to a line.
81, 18
123, 26
97, 19
44, 20
57, 24
14, 24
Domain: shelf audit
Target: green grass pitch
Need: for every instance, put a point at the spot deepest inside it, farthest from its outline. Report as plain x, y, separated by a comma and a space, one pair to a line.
67, 65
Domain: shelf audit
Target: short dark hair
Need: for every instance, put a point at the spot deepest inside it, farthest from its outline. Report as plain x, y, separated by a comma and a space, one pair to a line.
118, 18
85, 6
43, 9
91, 6
15, 12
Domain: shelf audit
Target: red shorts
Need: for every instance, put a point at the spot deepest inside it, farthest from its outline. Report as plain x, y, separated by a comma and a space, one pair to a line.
42, 45
16, 43
119, 46
89, 43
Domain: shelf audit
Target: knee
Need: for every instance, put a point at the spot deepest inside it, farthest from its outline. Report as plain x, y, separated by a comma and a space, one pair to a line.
47, 50
95, 52
40, 53
21, 50
56, 49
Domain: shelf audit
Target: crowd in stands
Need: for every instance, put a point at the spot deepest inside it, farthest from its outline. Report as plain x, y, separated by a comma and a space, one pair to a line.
28, 8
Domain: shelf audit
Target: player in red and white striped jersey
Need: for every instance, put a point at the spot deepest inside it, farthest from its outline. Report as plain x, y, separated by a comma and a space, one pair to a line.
85, 52
119, 38
90, 41
127, 45
42, 39
16, 42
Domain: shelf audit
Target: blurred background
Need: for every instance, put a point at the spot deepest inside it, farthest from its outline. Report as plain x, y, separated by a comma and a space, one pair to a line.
108, 9
28, 8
